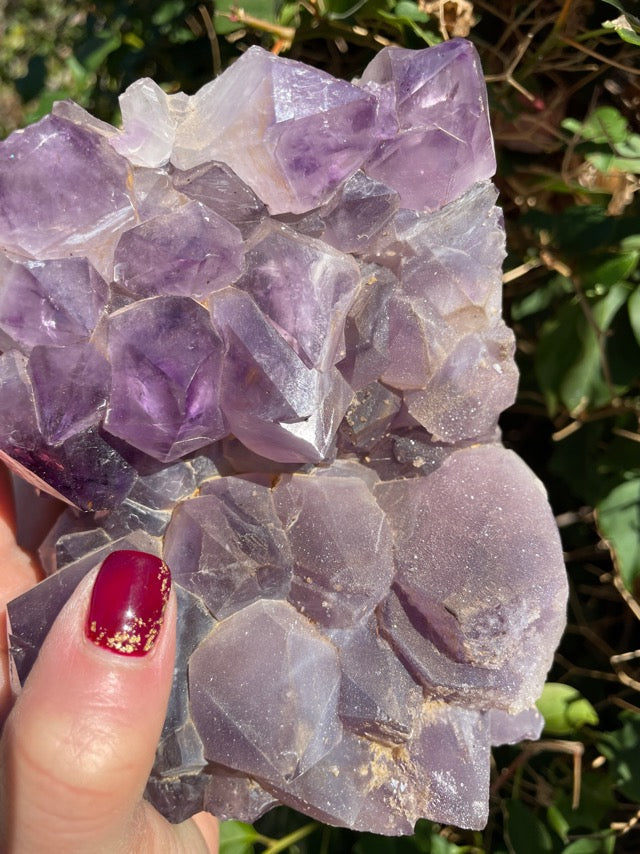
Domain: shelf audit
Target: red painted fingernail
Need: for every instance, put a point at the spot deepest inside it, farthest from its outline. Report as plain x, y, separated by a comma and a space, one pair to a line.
128, 600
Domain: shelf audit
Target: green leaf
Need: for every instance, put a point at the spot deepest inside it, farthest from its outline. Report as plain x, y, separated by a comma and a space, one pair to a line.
622, 748
611, 269
584, 380
606, 163
168, 12
628, 35
605, 124
527, 833
558, 349
236, 837
564, 709
578, 229
133, 40
618, 517
289, 13
93, 53
602, 845
78, 71
634, 312
568, 360
597, 799
586, 483
558, 822
630, 146
411, 12
428, 36
540, 298
440, 845
624, 27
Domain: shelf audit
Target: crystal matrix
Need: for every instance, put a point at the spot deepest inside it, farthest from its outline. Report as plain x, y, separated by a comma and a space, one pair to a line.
257, 331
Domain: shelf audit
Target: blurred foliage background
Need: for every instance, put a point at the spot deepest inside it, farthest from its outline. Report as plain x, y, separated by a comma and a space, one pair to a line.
564, 88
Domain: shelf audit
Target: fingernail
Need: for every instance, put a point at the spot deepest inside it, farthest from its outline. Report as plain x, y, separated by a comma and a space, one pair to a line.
128, 600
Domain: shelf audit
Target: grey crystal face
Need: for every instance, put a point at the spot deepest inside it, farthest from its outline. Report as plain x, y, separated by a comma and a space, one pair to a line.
269, 347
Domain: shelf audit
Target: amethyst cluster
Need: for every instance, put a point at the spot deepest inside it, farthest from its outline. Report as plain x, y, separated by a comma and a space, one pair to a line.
258, 332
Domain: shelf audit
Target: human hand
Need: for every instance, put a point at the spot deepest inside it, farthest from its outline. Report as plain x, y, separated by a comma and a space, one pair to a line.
79, 742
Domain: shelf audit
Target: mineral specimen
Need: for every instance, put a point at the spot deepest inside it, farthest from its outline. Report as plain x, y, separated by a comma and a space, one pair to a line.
258, 332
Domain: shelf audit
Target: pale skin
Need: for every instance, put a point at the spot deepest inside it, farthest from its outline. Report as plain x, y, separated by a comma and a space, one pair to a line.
78, 743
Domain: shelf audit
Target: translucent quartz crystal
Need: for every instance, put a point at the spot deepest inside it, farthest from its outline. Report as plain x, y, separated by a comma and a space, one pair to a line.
441, 108
50, 302
64, 190
257, 332
203, 253
164, 406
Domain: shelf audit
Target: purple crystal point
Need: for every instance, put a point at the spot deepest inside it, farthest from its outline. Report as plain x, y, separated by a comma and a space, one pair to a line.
367, 328
444, 144
229, 547
305, 288
230, 795
190, 252
377, 694
219, 188
275, 404
462, 592
149, 126
81, 465
510, 729
258, 332
163, 405
70, 388
256, 731
341, 548
50, 302
74, 183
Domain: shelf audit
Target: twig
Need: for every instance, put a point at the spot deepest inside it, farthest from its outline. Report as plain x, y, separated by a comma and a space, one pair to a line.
213, 39
507, 75
292, 838
573, 748
629, 599
520, 270
239, 16
626, 434
561, 20
514, 23
607, 61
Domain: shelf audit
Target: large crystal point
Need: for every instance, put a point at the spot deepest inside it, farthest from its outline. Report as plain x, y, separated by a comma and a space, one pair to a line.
444, 143
288, 721
190, 252
50, 302
62, 187
164, 406
258, 332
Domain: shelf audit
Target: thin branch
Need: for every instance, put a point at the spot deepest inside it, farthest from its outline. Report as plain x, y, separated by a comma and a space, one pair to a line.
213, 39
573, 748
605, 59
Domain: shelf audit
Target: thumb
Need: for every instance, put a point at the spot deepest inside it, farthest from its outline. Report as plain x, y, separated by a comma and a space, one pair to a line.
80, 741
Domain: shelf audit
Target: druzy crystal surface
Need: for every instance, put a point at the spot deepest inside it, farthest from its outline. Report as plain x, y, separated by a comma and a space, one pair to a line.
257, 331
